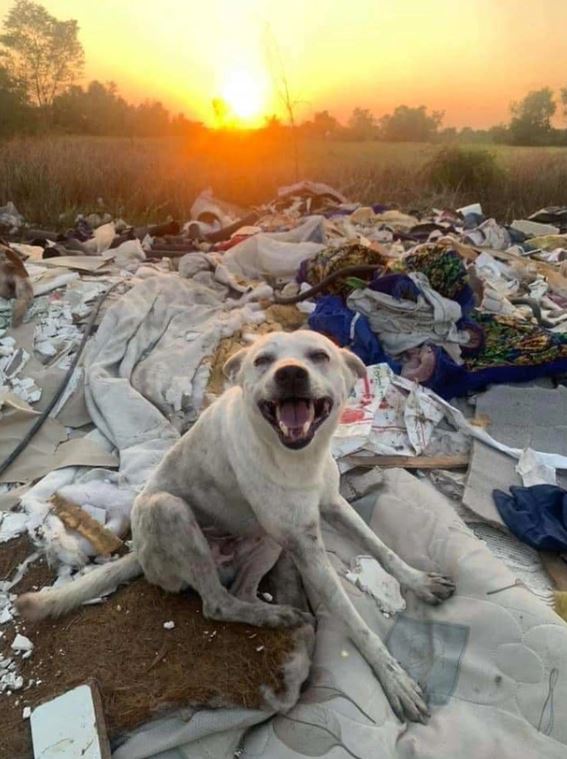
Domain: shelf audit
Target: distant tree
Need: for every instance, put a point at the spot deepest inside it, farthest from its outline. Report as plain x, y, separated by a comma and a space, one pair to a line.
531, 118
151, 119
324, 124
98, 109
41, 52
563, 98
274, 126
362, 124
470, 135
498, 134
181, 126
15, 113
449, 134
410, 124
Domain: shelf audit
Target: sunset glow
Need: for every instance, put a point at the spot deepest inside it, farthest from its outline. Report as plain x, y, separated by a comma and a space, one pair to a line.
467, 59
244, 94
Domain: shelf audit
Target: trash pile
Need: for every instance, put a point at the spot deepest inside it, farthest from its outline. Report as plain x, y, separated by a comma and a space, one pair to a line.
461, 321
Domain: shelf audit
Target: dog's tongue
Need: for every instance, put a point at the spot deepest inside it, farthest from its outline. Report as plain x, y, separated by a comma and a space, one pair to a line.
295, 413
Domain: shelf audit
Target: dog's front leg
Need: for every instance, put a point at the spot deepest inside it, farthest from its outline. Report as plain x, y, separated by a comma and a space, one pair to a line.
308, 552
431, 587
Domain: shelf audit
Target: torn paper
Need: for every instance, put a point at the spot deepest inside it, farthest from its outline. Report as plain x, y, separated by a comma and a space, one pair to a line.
371, 578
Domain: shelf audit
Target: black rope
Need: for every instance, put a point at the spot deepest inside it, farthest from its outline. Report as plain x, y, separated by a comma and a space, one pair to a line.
348, 271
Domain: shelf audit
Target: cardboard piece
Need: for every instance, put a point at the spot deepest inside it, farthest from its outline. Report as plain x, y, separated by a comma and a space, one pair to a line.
16, 418
73, 412
79, 263
12, 497
521, 417
46, 451
71, 726
46, 279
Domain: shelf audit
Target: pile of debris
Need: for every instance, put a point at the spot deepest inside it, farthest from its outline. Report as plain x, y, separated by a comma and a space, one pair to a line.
461, 321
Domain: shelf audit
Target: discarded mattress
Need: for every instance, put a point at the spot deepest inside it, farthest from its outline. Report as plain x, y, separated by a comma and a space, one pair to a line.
492, 660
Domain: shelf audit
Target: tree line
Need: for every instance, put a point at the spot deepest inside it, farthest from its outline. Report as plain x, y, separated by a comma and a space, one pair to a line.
41, 59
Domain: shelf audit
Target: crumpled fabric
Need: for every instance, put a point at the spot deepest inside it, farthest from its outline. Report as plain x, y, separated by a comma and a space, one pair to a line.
277, 254
445, 271
489, 234
10, 217
315, 196
536, 515
314, 270
405, 324
348, 329
145, 370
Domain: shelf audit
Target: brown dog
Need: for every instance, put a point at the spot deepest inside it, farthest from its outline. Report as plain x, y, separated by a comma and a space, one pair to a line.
15, 283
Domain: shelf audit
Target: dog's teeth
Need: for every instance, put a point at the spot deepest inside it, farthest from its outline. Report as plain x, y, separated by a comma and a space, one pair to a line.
305, 428
284, 428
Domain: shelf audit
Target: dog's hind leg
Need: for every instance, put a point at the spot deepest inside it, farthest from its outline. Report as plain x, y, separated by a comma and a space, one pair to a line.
286, 585
252, 567
174, 553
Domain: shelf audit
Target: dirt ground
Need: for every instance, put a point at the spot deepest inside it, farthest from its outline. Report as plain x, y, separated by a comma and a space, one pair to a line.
143, 670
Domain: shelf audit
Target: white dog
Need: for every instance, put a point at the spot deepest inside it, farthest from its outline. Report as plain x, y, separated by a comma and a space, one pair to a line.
249, 481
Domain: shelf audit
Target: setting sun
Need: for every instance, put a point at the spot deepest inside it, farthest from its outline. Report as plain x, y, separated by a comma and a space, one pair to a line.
244, 94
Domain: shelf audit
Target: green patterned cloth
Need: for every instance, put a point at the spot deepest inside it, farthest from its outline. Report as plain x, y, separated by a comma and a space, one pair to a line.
315, 269
509, 342
443, 268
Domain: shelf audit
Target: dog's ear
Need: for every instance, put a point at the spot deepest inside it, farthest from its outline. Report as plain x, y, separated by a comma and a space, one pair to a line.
233, 365
354, 364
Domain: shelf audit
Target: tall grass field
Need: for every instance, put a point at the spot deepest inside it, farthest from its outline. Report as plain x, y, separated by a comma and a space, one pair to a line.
51, 179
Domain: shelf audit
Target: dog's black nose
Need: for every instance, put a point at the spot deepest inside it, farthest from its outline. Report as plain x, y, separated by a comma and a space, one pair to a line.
291, 377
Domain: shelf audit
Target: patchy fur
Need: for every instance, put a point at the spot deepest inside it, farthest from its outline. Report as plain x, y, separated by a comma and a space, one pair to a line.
257, 466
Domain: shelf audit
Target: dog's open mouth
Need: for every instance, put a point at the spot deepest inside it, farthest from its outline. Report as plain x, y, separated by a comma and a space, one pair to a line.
296, 419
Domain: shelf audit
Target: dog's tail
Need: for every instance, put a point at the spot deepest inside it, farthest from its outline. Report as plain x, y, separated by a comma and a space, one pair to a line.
52, 602
23, 293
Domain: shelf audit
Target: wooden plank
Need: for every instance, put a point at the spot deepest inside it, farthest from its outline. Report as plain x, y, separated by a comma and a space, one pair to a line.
103, 541
411, 462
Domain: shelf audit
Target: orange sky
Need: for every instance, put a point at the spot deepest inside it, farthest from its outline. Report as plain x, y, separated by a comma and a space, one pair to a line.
469, 58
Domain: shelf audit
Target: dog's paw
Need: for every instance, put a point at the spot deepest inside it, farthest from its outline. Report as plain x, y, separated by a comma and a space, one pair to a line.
31, 606
404, 694
282, 616
432, 588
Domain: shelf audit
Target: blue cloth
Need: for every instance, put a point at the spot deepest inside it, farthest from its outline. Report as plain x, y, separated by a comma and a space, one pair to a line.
473, 220
451, 380
536, 515
335, 320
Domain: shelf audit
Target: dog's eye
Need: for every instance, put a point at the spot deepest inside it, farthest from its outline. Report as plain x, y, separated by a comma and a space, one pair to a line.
319, 357
263, 360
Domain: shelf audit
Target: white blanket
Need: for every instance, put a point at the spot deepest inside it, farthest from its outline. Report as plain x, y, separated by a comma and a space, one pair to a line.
276, 254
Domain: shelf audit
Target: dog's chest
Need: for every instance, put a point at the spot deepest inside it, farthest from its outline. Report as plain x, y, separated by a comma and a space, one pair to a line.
224, 509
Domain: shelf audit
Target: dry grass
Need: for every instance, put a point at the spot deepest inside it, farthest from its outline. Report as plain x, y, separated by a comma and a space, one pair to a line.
50, 179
